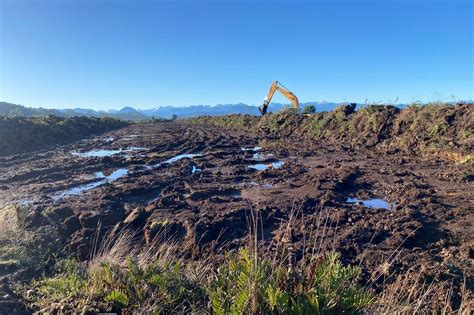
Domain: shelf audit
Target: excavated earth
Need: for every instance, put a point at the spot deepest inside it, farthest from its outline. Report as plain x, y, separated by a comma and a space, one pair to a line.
202, 183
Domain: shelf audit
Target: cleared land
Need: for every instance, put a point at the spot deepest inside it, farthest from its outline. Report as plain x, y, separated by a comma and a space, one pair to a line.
389, 190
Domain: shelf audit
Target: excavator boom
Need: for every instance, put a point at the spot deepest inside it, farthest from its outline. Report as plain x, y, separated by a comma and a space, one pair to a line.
277, 86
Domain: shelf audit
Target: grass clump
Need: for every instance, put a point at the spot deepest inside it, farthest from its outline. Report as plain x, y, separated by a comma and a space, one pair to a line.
155, 287
157, 280
253, 285
23, 247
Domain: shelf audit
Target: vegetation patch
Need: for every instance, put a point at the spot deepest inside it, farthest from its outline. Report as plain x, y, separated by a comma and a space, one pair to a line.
23, 134
156, 279
416, 128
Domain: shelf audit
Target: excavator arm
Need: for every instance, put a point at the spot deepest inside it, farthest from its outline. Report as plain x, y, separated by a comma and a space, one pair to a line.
277, 86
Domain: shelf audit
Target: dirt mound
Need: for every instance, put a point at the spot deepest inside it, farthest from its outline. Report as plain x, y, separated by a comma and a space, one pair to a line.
442, 130
24, 134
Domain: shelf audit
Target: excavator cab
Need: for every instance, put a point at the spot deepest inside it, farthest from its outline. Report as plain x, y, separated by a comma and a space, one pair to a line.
277, 86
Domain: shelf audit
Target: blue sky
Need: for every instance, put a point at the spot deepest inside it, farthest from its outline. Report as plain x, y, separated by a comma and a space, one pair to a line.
109, 54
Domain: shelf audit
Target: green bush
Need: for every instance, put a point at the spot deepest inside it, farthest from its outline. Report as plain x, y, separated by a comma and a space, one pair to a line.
309, 109
246, 284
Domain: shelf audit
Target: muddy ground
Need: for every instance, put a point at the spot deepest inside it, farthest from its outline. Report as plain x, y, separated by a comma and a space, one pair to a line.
422, 214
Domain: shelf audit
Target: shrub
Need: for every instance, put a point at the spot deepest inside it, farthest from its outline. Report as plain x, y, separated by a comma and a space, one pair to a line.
309, 109
246, 284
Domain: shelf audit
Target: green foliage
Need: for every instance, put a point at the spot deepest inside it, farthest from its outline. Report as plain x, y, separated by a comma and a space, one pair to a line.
119, 299
239, 280
309, 109
468, 133
246, 284
155, 286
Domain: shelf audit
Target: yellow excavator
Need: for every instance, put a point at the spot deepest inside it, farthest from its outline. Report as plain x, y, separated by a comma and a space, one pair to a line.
277, 86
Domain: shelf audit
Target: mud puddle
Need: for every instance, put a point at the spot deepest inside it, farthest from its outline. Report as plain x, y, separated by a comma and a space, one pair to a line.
105, 152
195, 170
265, 166
104, 177
257, 148
176, 159
375, 203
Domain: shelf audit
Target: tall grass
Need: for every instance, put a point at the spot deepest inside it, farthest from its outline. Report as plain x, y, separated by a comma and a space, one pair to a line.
126, 275
22, 246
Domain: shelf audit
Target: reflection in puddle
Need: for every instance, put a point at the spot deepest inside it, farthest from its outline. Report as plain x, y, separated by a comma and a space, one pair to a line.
175, 159
372, 203
103, 153
136, 149
236, 196
195, 170
105, 177
111, 176
260, 156
263, 167
97, 153
180, 157
78, 189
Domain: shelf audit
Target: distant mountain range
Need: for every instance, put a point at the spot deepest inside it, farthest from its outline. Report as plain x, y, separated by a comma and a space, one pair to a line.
130, 113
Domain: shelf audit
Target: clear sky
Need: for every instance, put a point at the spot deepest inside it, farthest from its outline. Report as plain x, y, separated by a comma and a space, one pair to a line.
109, 54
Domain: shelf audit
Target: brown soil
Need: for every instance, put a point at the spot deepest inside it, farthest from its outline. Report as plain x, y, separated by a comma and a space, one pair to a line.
428, 227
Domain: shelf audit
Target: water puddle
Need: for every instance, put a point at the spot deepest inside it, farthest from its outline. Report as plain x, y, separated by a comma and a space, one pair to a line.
263, 166
372, 203
103, 152
180, 157
78, 189
105, 177
195, 170
176, 158
260, 156
129, 137
97, 153
136, 149
112, 175
251, 149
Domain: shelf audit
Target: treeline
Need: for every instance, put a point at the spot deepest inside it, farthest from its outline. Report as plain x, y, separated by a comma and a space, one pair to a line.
23, 134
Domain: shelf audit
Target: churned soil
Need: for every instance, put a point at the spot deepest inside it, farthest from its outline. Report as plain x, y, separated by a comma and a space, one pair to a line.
391, 211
